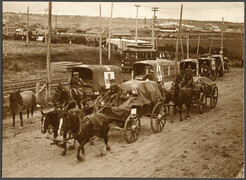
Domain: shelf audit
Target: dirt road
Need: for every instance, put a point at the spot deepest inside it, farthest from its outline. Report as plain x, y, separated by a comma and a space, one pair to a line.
207, 145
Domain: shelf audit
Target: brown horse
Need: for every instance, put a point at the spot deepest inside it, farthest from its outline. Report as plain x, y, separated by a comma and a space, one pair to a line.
182, 96
21, 100
84, 129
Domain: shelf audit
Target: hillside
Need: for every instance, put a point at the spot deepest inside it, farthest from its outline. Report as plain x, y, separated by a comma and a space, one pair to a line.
86, 21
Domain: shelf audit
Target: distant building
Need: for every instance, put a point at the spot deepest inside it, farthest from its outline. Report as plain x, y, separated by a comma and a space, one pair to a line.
123, 43
120, 33
168, 29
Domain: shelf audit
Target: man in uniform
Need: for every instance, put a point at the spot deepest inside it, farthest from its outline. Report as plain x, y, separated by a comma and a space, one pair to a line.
188, 77
204, 69
114, 93
74, 83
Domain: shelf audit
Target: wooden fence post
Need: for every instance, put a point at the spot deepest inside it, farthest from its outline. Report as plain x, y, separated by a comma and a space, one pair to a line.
37, 91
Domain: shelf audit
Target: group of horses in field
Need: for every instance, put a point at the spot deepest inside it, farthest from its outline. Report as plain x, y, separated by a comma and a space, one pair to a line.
80, 124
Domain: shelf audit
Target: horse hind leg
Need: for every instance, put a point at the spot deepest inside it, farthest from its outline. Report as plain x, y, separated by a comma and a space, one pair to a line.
180, 113
32, 110
27, 113
81, 147
188, 110
21, 119
108, 148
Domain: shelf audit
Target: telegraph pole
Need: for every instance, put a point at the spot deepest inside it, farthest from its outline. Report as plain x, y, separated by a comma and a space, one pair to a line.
198, 44
136, 33
109, 38
177, 42
182, 49
188, 47
45, 28
100, 39
154, 9
222, 29
27, 29
48, 56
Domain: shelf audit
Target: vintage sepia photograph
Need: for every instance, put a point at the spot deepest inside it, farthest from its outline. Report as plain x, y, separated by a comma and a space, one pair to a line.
122, 89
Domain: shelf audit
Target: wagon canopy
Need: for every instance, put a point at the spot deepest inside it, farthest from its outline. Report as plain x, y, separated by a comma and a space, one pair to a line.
194, 66
99, 75
163, 69
147, 92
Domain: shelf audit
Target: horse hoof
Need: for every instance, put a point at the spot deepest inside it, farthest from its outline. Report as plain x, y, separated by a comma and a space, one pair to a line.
172, 121
181, 120
63, 153
81, 158
108, 148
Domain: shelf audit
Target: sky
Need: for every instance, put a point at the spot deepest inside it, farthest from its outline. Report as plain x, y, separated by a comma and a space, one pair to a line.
209, 11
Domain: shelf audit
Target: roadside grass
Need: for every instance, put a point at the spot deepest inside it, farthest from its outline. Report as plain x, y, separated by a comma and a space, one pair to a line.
22, 60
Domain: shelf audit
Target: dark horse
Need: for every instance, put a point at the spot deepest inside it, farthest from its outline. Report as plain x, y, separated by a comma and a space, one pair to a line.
50, 121
21, 100
63, 98
182, 96
85, 128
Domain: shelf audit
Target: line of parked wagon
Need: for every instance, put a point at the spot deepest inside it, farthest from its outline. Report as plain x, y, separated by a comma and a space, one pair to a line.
150, 96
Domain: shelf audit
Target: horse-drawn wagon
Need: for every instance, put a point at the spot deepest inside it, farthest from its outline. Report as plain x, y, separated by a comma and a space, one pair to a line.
204, 89
211, 65
142, 98
194, 63
162, 70
220, 65
96, 78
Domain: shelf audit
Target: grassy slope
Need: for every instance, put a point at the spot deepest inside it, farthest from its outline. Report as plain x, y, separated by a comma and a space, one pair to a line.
23, 60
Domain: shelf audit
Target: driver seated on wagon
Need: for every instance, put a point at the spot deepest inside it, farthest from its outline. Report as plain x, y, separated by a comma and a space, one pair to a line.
149, 75
188, 77
204, 69
75, 83
113, 94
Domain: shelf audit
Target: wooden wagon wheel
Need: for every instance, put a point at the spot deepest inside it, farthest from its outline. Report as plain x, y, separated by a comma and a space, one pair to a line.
132, 128
214, 97
202, 103
158, 117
